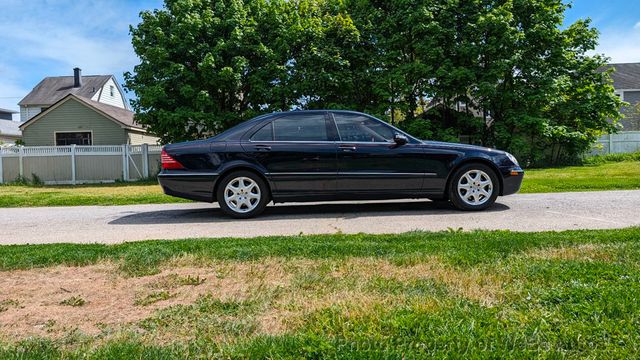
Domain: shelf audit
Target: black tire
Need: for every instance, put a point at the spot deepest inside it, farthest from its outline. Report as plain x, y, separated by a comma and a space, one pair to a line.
484, 201
241, 213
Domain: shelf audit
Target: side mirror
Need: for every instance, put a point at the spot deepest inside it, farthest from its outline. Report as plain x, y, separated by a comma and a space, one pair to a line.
400, 139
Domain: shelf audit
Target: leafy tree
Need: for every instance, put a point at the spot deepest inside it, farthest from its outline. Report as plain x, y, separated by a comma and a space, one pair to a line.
206, 65
539, 94
508, 72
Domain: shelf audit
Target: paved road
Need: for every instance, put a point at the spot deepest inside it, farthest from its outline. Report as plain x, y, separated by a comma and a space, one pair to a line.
114, 224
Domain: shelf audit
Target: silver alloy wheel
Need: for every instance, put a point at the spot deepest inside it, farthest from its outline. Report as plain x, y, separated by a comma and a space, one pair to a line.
475, 187
242, 195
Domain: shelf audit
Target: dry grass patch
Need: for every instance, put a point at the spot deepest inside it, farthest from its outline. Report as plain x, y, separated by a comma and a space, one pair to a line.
581, 252
473, 284
226, 300
110, 297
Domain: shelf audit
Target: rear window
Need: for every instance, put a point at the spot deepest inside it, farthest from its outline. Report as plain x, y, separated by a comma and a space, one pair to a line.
264, 134
297, 127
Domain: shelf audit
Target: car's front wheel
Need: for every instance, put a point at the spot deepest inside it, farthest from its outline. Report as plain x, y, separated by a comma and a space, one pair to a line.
242, 195
474, 187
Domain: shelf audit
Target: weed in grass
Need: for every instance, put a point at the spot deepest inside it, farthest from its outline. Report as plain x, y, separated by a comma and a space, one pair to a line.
173, 281
73, 301
9, 303
153, 298
191, 280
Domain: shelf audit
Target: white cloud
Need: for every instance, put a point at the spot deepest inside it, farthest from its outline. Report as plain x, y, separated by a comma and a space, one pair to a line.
71, 48
50, 37
10, 89
637, 26
622, 46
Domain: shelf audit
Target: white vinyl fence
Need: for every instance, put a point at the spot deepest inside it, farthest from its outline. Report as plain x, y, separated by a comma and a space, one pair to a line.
79, 164
622, 142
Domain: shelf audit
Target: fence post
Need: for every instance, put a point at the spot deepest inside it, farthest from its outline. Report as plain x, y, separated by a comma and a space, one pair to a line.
73, 164
125, 163
610, 143
21, 157
1, 175
145, 161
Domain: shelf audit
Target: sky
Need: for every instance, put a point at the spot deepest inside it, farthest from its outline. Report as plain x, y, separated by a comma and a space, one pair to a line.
40, 38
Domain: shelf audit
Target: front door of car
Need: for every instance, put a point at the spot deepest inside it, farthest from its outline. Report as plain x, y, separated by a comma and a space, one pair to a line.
298, 150
370, 162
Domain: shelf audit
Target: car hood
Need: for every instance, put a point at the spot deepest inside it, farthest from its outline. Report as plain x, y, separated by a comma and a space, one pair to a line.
457, 146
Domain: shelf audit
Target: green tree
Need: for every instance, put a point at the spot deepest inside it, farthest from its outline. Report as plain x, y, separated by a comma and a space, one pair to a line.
206, 65
531, 81
508, 72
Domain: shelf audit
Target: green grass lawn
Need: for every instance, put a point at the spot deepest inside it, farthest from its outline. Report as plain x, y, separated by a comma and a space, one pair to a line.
622, 175
606, 176
102, 194
573, 294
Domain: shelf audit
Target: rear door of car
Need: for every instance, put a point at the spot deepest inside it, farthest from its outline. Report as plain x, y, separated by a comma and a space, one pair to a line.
299, 152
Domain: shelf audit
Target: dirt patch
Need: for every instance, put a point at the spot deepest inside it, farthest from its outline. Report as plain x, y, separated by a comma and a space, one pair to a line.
109, 298
280, 294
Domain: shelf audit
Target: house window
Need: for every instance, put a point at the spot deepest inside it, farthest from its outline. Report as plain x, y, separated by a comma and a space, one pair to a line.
112, 90
73, 138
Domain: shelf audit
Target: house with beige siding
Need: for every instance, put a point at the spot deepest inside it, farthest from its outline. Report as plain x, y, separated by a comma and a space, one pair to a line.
81, 121
80, 110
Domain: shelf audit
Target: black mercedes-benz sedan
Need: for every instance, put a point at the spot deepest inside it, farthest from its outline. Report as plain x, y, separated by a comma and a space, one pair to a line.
331, 155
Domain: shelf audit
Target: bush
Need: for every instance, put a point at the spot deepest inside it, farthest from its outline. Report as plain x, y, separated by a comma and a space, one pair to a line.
608, 158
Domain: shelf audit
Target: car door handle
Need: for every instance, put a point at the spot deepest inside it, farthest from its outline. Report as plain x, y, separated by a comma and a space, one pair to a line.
263, 147
348, 148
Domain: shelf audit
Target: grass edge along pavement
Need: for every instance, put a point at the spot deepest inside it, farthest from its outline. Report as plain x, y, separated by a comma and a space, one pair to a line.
556, 294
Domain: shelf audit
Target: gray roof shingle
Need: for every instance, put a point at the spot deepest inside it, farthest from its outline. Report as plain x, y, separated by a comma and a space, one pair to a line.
51, 89
123, 116
626, 76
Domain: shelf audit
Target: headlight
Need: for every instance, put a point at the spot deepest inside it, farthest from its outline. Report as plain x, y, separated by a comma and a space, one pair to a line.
512, 158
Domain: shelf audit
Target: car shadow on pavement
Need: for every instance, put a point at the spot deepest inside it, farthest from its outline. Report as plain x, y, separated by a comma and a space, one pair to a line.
297, 212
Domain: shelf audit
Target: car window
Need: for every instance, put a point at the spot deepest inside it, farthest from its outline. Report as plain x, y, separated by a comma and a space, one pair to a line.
264, 134
302, 127
360, 128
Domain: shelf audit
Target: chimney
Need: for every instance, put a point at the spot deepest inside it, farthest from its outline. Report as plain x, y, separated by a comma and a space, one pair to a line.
77, 77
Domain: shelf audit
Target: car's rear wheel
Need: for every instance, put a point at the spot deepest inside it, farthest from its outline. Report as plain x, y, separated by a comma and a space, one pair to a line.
474, 187
242, 194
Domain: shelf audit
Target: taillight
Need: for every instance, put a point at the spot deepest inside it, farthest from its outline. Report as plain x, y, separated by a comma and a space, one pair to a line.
169, 163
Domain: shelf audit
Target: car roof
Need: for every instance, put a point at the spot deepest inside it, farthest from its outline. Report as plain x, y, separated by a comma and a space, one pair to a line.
317, 111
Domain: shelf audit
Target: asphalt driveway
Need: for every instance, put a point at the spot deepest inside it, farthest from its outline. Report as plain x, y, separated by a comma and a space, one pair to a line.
113, 224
